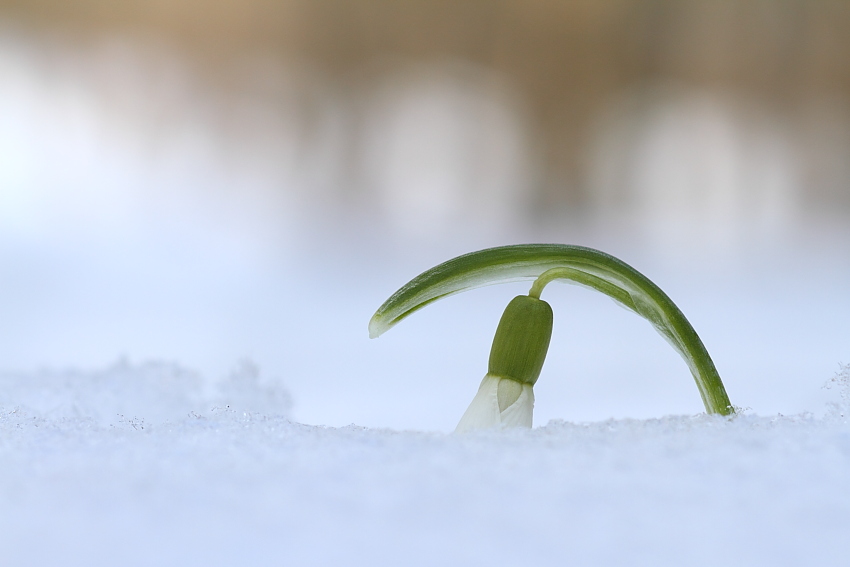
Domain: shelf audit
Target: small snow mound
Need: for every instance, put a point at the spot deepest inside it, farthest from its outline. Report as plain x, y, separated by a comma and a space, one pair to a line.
133, 395
244, 390
840, 410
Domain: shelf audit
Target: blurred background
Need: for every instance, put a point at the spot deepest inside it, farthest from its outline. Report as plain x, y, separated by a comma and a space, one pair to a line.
205, 182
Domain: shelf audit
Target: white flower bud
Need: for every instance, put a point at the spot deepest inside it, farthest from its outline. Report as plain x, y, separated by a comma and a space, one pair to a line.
499, 403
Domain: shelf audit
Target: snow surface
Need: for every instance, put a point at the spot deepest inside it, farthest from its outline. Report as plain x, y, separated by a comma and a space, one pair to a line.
153, 465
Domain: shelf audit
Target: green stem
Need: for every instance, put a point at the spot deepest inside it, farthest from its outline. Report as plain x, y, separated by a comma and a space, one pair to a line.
582, 278
686, 340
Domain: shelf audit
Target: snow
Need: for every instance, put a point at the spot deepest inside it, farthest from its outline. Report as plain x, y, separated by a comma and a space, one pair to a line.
149, 464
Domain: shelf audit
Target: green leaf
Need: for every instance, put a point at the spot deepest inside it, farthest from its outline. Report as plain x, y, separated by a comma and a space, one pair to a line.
584, 266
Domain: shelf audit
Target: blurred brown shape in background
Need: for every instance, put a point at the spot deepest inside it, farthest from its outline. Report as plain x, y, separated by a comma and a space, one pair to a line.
723, 117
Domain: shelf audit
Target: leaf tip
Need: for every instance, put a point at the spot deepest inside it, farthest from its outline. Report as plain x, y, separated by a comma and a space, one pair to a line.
376, 327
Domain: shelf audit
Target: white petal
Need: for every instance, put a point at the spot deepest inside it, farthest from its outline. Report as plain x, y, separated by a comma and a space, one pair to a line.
520, 413
483, 412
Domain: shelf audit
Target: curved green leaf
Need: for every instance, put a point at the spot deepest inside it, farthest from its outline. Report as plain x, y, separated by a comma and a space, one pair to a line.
584, 266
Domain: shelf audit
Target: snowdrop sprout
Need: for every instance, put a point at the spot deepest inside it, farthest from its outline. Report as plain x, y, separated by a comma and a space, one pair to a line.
505, 397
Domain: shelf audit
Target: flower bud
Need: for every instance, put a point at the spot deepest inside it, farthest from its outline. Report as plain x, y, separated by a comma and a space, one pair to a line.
506, 397
522, 340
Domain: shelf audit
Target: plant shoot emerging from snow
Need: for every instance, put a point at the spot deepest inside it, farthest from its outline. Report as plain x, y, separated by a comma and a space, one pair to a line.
505, 397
